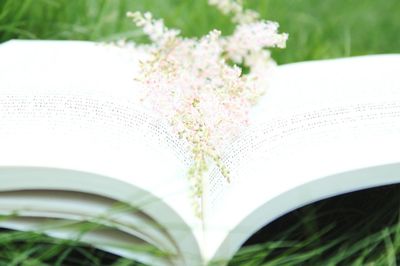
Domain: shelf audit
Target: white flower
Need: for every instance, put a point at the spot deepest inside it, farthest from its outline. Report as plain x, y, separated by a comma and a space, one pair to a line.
191, 83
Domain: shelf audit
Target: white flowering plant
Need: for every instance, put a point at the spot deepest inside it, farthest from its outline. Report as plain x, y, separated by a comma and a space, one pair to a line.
199, 86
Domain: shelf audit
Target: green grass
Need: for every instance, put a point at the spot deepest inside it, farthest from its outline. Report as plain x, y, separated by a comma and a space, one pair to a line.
35, 249
314, 235
318, 29
360, 228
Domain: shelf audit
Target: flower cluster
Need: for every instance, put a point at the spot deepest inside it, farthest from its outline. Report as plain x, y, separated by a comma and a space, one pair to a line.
197, 85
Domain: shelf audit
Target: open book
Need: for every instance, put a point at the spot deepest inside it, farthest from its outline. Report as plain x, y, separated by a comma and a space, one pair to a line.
76, 145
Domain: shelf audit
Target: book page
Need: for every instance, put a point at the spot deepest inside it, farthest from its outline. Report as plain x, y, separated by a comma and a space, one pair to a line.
318, 119
75, 105
85, 207
108, 239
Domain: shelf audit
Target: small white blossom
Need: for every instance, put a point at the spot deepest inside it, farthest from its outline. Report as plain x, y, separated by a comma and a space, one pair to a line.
253, 37
235, 8
155, 29
191, 83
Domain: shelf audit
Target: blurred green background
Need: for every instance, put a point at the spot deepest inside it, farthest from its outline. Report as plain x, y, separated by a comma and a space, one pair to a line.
318, 29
